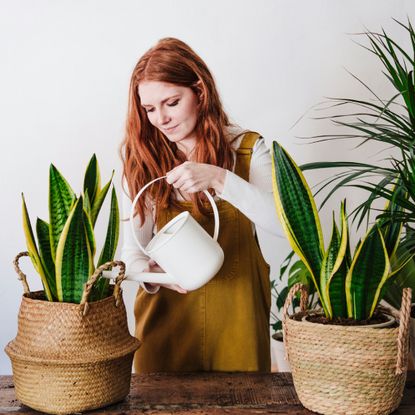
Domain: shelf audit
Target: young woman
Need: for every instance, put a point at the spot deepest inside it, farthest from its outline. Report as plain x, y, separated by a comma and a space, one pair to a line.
176, 126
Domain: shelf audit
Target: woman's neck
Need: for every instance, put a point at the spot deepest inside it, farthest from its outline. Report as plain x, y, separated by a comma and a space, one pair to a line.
187, 147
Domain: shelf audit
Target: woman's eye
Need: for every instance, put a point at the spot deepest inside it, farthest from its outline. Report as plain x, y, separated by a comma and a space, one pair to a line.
149, 110
174, 103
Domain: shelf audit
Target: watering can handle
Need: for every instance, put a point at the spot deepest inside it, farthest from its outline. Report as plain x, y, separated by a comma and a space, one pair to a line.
208, 195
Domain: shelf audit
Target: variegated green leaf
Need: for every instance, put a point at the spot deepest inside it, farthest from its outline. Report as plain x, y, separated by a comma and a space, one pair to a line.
87, 204
61, 199
298, 213
90, 234
33, 252
73, 257
113, 231
328, 267
99, 200
92, 180
43, 237
369, 271
337, 280
111, 242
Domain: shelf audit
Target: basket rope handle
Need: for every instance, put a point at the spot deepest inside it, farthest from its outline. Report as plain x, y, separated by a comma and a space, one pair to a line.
403, 338
288, 301
20, 273
93, 278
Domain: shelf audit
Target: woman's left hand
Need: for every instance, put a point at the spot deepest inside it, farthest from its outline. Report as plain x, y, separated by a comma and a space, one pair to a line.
191, 177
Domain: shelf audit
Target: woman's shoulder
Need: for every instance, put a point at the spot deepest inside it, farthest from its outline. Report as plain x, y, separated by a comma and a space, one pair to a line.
235, 134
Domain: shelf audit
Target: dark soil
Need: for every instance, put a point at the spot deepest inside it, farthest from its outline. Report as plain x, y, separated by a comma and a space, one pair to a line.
343, 321
36, 295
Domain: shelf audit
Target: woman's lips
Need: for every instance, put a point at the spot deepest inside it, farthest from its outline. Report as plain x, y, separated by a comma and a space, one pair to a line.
169, 130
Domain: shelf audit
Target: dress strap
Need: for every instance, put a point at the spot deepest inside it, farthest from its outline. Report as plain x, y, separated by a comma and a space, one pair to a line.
244, 154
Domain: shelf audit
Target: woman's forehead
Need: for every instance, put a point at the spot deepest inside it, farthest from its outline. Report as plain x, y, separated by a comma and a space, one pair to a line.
151, 92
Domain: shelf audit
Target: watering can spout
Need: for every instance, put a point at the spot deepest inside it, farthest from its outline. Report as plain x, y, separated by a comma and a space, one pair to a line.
150, 277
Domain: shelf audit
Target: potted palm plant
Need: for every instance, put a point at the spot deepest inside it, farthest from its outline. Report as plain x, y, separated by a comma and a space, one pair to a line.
390, 123
349, 356
73, 350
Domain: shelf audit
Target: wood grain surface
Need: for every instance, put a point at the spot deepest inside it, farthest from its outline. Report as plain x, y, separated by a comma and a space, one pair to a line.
204, 393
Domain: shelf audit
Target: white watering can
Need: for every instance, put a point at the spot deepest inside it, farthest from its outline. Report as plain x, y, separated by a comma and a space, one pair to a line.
189, 256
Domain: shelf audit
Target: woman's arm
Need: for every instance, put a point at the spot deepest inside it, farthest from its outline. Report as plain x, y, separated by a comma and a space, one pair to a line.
136, 261
255, 198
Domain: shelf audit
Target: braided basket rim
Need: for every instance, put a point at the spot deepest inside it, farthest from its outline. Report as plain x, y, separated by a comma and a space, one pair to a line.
337, 327
74, 307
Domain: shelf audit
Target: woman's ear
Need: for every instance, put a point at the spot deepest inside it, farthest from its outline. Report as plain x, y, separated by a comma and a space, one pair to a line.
199, 91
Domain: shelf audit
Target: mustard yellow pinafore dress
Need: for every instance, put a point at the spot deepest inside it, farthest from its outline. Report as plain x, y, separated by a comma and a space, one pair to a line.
223, 326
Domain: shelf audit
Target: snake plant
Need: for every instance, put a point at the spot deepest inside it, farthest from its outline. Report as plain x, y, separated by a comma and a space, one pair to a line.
347, 286
64, 253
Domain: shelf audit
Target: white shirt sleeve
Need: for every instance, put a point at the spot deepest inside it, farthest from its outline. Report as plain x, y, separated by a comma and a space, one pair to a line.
136, 261
255, 198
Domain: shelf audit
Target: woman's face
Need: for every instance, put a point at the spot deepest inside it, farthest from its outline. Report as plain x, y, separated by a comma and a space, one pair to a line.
172, 109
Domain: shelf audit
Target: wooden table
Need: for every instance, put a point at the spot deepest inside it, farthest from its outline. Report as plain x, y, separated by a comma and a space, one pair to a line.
205, 393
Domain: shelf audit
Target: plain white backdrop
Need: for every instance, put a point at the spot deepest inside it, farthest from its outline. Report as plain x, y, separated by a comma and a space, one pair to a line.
64, 74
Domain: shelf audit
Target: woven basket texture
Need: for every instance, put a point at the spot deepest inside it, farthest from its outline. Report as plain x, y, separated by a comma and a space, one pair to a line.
343, 369
64, 361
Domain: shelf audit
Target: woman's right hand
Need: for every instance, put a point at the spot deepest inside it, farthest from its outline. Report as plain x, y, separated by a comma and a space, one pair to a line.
154, 267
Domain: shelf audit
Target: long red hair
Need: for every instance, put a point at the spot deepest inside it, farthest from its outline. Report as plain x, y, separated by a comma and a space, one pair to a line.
146, 152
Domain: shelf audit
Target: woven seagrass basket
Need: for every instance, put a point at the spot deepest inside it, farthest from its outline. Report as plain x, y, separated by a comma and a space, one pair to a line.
347, 369
72, 357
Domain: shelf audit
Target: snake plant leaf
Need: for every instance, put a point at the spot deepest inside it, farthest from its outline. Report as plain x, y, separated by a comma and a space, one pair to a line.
73, 257
336, 283
113, 232
368, 272
111, 242
87, 204
61, 199
92, 179
33, 252
99, 200
297, 212
43, 237
89, 234
328, 267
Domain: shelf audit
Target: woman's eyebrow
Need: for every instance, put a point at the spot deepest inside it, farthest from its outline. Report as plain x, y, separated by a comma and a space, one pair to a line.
162, 102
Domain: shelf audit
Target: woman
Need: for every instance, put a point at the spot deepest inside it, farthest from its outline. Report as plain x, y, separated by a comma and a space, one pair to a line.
176, 126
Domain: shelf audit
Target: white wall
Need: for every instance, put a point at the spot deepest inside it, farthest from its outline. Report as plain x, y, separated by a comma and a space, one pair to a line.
64, 75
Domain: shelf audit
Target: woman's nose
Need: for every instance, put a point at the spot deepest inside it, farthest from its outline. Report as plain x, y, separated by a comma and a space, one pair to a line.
163, 118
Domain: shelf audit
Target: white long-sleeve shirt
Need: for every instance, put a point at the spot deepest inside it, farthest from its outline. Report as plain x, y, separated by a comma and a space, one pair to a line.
254, 199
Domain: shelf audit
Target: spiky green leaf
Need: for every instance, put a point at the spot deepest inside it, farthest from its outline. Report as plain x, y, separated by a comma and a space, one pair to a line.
87, 205
337, 278
297, 212
99, 200
328, 269
73, 257
43, 237
111, 242
368, 273
33, 252
92, 180
61, 199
